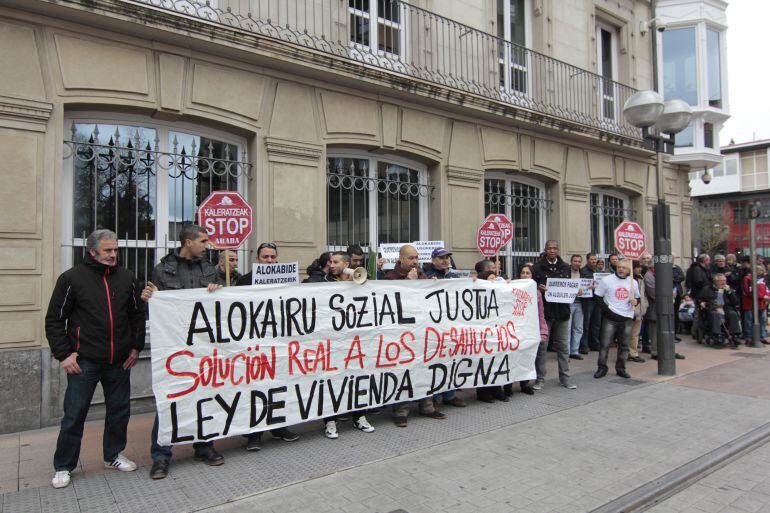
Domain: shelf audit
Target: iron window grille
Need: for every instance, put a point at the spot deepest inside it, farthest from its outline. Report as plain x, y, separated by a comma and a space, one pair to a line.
607, 212
144, 183
375, 201
528, 207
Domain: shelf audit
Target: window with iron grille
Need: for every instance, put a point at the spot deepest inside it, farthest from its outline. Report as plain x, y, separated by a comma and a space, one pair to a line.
144, 181
371, 201
526, 205
607, 212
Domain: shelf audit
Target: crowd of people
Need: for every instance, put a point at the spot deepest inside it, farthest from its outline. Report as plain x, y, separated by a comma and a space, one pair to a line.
98, 301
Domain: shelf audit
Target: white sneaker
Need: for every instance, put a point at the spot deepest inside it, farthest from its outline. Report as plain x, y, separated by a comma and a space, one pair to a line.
363, 425
61, 479
538, 384
121, 463
331, 430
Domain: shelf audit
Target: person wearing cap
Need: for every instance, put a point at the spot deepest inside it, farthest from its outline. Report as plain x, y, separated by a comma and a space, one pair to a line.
440, 268
267, 253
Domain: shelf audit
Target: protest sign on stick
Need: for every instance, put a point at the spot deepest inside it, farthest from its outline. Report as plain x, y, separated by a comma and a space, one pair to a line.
246, 359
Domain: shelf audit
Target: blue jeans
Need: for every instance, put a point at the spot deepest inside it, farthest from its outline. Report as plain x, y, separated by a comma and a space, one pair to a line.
592, 322
163, 452
748, 324
576, 326
116, 383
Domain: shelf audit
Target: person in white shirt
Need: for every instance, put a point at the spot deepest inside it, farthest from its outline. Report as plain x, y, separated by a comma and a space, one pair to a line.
617, 295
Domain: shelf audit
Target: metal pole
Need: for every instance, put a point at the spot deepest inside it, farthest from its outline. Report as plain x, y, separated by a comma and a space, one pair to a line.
754, 296
664, 279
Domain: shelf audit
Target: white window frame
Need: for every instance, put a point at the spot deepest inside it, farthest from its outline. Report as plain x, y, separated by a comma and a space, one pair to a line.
374, 46
602, 251
511, 177
507, 60
613, 31
754, 174
161, 179
424, 206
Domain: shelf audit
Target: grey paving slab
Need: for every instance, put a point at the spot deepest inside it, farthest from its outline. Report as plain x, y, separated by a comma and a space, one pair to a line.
743, 485
589, 454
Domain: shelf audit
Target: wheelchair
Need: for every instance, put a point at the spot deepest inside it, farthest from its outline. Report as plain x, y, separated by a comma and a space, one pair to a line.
703, 332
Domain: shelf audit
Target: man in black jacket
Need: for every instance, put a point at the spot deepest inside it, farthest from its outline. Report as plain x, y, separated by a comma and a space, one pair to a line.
95, 327
723, 306
557, 315
699, 275
185, 267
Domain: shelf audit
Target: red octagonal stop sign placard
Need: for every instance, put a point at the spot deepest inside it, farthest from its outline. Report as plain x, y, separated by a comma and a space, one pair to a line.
493, 234
226, 216
630, 240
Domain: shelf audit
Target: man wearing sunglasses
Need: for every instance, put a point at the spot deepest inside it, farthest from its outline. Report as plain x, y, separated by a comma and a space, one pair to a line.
267, 253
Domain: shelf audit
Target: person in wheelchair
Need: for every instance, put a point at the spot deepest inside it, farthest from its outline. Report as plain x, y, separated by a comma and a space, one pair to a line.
720, 305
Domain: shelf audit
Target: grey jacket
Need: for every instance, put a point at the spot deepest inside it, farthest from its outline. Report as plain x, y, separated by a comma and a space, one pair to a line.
175, 272
649, 291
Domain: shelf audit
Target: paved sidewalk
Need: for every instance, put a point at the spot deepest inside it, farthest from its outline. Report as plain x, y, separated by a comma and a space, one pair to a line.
560, 450
743, 486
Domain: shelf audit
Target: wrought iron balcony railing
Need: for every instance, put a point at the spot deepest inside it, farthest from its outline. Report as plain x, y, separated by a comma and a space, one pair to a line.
402, 39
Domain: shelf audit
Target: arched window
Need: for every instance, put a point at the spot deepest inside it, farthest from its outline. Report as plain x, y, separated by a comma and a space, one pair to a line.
524, 202
608, 210
375, 199
143, 180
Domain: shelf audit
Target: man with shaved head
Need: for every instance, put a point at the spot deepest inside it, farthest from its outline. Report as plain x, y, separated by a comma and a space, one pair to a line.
408, 268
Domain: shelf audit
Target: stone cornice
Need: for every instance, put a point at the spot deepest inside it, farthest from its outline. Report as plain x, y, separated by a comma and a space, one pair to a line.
293, 152
464, 177
24, 113
576, 192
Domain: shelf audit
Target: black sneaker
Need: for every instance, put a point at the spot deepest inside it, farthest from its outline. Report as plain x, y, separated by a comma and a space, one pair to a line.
159, 469
679, 356
254, 442
600, 373
583, 350
210, 456
623, 374
527, 389
285, 435
435, 414
637, 359
575, 357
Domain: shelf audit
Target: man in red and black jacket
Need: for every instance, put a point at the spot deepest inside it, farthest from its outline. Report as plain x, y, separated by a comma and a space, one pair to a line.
95, 327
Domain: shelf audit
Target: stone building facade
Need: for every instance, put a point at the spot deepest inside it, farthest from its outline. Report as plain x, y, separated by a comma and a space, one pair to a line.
125, 114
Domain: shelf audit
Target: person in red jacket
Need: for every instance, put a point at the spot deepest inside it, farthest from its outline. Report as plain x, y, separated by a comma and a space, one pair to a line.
763, 295
95, 328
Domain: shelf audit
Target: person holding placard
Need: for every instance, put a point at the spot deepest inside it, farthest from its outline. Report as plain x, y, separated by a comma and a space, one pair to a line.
339, 262
408, 268
184, 268
576, 311
617, 296
267, 253
440, 268
557, 315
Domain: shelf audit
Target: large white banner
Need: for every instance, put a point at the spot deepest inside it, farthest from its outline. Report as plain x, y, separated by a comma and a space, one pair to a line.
246, 359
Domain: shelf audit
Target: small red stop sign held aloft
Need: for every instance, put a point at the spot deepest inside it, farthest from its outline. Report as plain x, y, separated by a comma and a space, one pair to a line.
493, 234
226, 217
630, 240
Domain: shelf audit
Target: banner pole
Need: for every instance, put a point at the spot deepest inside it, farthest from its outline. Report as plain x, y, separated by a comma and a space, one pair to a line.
227, 268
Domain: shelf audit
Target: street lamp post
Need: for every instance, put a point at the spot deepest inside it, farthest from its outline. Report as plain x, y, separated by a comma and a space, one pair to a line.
660, 122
